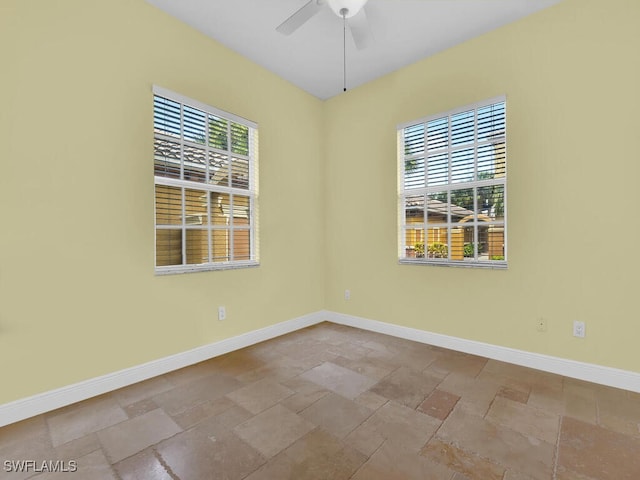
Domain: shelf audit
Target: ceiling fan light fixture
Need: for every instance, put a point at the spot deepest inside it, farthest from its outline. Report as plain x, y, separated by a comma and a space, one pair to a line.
346, 8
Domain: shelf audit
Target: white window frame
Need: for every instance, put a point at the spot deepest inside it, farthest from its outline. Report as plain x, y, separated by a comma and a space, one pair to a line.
251, 191
450, 185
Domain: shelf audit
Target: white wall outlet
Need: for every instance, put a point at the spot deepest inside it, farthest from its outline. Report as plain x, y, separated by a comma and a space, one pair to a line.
222, 313
578, 329
347, 294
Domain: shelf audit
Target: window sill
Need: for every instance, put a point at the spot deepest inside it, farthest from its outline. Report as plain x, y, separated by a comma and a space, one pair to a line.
495, 265
173, 270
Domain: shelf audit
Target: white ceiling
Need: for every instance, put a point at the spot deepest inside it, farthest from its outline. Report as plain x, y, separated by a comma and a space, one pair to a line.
404, 32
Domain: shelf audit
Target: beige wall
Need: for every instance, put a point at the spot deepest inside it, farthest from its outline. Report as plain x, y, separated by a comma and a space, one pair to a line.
571, 77
78, 297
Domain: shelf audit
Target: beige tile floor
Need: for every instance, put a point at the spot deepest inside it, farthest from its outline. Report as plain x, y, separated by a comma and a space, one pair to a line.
332, 402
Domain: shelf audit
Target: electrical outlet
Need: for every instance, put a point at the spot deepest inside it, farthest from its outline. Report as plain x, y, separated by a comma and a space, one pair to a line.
579, 329
541, 324
347, 294
222, 313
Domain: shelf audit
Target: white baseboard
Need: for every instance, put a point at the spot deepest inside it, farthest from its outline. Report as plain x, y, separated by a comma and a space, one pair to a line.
60, 397
612, 377
45, 402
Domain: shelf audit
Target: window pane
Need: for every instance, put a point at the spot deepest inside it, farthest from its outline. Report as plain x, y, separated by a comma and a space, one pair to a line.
491, 122
220, 250
194, 125
239, 173
457, 244
486, 162
218, 135
239, 139
437, 207
438, 170
414, 139
438, 133
437, 243
414, 173
168, 205
500, 154
462, 205
166, 156
194, 164
491, 202
491, 161
469, 248
414, 242
168, 247
166, 116
414, 209
195, 207
218, 169
197, 246
462, 168
217, 213
462, 243
241, 210
220, 217
241, 244
462, 128
491, 243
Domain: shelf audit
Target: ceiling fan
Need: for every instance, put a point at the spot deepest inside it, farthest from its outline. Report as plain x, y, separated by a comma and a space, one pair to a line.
351, 11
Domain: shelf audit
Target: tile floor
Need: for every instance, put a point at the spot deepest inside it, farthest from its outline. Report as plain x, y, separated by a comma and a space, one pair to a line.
332, 402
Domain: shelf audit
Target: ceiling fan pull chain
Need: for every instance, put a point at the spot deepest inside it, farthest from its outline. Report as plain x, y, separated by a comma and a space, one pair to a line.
344, 49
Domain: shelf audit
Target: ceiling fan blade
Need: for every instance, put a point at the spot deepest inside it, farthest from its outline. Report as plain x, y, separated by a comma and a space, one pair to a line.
300, 17
360, 30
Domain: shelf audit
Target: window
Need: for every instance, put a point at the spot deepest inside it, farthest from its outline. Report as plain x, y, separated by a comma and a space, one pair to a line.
205, 176
452, 187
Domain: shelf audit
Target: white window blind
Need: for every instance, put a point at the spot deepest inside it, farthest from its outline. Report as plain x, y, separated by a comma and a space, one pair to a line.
205, 176
452, 187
